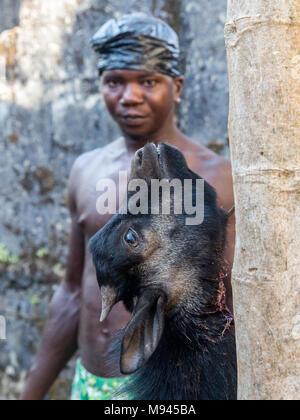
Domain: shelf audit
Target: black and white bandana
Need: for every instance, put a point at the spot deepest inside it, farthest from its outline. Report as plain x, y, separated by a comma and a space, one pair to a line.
138, 42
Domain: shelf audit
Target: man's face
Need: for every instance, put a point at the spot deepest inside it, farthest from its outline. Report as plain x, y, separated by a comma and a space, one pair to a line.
141, 103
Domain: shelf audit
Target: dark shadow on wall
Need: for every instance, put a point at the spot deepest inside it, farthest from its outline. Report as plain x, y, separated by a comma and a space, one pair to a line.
9, 14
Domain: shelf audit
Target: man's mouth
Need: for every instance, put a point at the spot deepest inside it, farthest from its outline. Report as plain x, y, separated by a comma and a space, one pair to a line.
132, 118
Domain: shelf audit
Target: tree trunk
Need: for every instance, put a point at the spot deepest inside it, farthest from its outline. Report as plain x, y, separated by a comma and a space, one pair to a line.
263, 46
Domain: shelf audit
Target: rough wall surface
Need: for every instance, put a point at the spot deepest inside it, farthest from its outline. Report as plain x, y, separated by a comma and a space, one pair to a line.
50, 112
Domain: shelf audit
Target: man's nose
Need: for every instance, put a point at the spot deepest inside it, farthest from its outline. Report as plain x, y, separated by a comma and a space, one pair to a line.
132, 95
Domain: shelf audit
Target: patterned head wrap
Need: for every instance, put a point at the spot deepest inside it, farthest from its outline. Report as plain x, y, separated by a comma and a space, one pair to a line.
138, 42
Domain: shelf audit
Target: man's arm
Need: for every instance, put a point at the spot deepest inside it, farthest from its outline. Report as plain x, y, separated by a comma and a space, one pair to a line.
224, 187
229, 259
59, 342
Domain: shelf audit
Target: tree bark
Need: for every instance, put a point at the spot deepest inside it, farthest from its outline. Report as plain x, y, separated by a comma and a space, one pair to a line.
263, 47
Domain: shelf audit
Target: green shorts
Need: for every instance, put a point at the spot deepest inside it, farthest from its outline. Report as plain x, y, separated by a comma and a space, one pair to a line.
87, 387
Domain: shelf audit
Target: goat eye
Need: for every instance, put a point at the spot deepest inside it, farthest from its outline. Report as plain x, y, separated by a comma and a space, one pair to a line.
131, 238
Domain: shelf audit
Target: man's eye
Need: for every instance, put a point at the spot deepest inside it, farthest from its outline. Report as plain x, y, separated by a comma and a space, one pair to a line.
149, 83
131, 238
112, 83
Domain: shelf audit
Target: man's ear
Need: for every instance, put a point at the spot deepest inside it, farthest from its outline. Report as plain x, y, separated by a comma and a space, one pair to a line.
178, 85
144, 331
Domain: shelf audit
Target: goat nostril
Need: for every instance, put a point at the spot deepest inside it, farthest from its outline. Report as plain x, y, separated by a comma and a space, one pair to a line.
140, 156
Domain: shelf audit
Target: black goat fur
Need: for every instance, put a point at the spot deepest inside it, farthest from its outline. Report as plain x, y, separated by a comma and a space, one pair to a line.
194, 361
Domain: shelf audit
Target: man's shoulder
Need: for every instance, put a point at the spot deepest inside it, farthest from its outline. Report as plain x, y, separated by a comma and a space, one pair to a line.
208, 159
216, 170
86, 168
220, 171
88, 159
218, 163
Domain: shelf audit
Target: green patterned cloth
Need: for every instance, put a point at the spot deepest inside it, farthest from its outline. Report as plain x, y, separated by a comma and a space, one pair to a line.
87, 387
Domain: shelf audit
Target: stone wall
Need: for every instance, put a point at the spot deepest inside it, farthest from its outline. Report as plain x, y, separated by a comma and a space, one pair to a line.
50, 112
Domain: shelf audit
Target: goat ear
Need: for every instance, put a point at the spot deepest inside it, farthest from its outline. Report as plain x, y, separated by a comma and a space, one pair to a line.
143, 333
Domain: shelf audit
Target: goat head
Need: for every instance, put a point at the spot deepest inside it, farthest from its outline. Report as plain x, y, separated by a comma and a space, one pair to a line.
156, 263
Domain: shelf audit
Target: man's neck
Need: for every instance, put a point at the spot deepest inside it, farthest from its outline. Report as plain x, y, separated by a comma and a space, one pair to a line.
171, 135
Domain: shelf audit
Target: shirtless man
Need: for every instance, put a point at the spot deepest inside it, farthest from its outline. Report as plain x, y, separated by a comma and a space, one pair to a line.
142, 100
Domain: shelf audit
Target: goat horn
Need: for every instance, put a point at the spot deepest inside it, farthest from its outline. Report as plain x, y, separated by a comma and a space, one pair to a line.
109, 299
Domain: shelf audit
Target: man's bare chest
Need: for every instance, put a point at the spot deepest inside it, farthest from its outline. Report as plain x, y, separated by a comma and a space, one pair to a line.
107, 182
